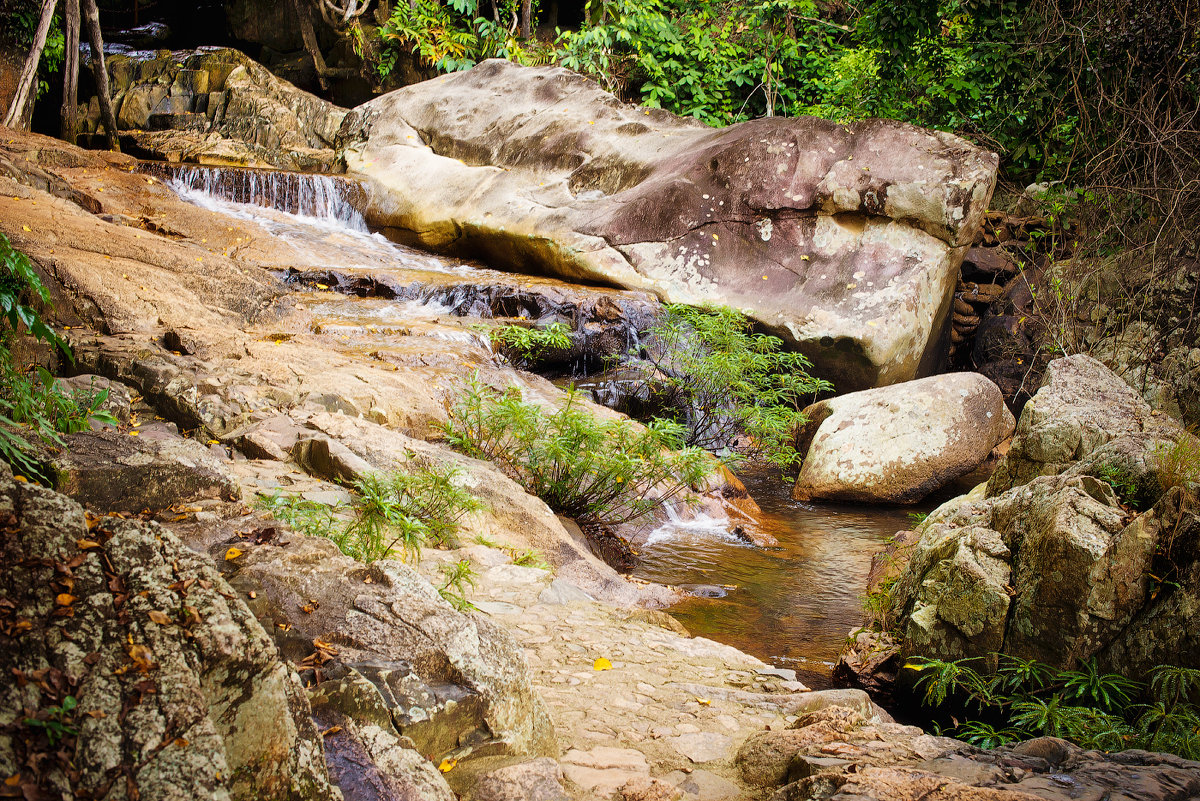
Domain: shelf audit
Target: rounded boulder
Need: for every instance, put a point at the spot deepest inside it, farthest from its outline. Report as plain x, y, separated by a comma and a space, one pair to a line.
897, 444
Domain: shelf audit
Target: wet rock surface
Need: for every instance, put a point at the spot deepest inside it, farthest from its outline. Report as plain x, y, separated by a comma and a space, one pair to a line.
845, 240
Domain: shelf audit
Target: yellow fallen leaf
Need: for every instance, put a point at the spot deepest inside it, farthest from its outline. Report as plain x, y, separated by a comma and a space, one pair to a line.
22, 479
704, 701
158, 617
322, 286
26, 228
134, 433
13, 780
447, 765
64, 599
214, 442
233, 553
86, 545
602, 664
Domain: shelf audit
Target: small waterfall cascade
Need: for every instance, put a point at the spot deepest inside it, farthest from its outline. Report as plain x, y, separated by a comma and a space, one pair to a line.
332, 199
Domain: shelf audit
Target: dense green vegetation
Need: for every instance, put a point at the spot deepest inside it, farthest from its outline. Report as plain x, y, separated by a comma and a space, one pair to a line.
31, 398
1025, 698
709, 371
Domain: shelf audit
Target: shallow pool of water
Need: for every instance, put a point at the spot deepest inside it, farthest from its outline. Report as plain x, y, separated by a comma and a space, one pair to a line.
791, 606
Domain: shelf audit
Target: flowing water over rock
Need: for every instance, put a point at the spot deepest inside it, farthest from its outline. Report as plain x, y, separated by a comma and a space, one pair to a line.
791, 606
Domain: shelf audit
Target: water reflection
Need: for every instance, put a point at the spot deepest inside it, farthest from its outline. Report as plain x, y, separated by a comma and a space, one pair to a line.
792, 605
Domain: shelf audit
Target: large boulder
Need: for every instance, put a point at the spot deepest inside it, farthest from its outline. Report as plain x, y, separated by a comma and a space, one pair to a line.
217, 106
844, 239
1077, 548
897, 444
132, 669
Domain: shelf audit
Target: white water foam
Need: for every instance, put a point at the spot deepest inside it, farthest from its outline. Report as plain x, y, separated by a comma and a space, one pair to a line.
699, 525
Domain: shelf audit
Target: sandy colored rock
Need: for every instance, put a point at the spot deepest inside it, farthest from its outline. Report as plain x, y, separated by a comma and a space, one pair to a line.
844, 239
897, 444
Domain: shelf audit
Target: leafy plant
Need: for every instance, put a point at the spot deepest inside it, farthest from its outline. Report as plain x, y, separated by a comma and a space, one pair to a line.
525, 557
1025, 699
708, 371
601, 472
1122, 482
528, 343
393, 514
456, 578
56, 723
34, 400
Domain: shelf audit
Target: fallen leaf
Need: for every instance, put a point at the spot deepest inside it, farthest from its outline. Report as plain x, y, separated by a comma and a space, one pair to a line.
64, 599
602, 664
158, 617
86, 545
331, 730
13, 780
182, 743
447, 765
704, 701
233, 553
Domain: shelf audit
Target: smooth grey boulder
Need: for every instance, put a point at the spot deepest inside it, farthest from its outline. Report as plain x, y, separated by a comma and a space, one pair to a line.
179, 692
843, 239
899, 443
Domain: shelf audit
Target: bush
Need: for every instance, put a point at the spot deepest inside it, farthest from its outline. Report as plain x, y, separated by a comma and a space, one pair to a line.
1178, 464
1026, 699
526, 343
34, 400
596, 471
393, 514
719, 379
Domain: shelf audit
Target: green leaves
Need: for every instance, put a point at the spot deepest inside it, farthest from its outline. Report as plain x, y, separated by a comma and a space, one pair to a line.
1025, 698
597, 471
718, 379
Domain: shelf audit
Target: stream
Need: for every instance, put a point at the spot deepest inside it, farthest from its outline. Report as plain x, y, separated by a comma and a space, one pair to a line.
791, 605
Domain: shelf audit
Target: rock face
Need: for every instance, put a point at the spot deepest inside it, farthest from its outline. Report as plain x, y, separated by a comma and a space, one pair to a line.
179, 691
217, 106
836, 755
897, 444
1055, 561
450, 681
845, 240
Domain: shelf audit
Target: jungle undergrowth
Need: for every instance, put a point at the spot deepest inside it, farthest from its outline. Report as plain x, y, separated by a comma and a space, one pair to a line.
1024, 699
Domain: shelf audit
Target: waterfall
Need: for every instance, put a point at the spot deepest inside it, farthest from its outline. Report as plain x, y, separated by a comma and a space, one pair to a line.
331, 199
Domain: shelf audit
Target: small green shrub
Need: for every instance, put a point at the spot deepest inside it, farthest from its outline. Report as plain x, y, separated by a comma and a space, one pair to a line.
709, 371
525, 557
601, 472
1122, 482
1025, 699
455, 580
528, 343
389, 515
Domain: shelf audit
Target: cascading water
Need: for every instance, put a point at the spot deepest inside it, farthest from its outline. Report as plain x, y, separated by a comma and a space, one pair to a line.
332, 199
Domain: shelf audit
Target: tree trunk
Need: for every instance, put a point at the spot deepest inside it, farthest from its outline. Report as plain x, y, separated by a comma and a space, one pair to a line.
310, 41
21, 111
526, 19
70, 106
92, 15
